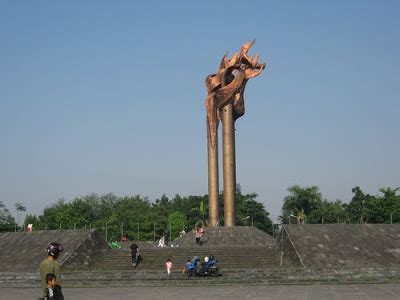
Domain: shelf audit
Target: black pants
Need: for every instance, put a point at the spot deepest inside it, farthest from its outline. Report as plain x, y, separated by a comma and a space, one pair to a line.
134, 258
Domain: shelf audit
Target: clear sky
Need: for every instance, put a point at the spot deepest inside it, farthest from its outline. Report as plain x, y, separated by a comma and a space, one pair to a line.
108, 96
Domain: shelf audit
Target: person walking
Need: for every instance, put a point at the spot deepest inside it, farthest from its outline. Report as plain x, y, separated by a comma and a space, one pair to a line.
161, 242
168, 266
135, 254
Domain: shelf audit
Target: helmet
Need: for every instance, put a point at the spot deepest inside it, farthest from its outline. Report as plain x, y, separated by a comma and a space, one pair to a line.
206, 259
54, 249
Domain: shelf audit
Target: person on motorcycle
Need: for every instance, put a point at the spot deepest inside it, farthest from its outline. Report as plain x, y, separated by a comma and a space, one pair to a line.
208, 267
204, 263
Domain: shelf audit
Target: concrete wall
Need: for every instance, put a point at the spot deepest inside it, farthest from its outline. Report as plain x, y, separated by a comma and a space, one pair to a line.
345, 245
23, 251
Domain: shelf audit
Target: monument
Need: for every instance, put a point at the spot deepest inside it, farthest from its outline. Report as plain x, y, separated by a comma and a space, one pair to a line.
225, 102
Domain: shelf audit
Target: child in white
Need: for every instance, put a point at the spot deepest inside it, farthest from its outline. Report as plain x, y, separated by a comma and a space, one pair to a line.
168, 266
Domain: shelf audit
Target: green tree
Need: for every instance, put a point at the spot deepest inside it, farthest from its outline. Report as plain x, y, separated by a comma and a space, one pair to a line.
306, 199
51, 218
357, 209
383, 208
251, 212
34, 220
20, 208
195, 208
391, 203
328, 212
7, 221
132, 216
137, 217
178, 222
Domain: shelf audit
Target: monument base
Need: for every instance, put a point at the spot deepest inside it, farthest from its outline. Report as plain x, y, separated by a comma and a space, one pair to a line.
237, 236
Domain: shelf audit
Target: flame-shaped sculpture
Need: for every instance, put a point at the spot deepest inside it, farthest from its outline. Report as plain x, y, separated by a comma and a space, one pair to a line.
228, 84
225, 101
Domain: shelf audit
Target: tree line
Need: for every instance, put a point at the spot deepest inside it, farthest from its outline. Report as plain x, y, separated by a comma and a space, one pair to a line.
139, 218
308, 204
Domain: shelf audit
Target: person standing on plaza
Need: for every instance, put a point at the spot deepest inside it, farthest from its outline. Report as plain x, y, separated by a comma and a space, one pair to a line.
53, 290
50, 265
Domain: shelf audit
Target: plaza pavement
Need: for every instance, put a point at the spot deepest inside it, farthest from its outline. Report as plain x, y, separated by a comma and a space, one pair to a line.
303, 292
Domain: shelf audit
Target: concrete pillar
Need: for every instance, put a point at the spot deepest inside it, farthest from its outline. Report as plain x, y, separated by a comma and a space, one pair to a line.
229, 163
213, 184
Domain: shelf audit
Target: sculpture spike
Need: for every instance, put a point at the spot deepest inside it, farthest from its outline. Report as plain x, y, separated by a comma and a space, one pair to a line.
223, 63
254, 60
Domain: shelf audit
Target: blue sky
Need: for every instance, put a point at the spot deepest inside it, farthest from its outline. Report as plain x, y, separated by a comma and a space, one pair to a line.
101, 96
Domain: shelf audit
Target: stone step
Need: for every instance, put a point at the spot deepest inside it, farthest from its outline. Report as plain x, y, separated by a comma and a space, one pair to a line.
185, 258
138, 277
146, 263
154, 258
191, 254
200, 253
249, 253
250, 258
161, 267
201, 248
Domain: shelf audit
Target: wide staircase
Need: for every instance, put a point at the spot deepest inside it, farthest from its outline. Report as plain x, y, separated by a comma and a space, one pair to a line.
237, 265
154, 258
303, 255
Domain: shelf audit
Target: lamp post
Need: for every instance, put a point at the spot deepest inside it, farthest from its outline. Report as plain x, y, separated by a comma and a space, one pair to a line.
138, 231
273, 229
170, 232
154, 230
106, 233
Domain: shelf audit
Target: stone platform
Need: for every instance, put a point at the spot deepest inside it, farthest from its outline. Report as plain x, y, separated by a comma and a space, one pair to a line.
23, 251
238, 236
304, 254
282, 292
234, 247
341, 245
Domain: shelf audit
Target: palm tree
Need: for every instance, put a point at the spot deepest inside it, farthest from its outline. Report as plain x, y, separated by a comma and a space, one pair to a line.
20, 208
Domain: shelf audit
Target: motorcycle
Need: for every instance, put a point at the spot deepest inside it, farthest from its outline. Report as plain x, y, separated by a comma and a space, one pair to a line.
192, 267
207, 268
